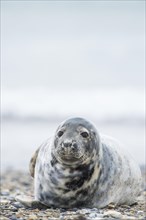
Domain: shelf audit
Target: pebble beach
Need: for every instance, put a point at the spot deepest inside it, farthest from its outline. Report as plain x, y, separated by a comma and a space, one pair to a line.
15, 183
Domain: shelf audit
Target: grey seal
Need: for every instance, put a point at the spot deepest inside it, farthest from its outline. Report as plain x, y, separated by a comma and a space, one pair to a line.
78, 167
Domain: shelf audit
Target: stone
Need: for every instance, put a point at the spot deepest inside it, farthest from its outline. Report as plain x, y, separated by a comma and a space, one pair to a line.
17, 205
113, 214
4, 218
4, 202
5, 192
111, 206
32, 217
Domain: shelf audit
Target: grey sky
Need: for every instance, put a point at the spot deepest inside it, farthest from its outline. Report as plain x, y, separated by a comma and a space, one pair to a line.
74, 43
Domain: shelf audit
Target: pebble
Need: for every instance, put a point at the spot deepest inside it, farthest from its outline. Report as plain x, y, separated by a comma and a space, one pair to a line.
111, 206
11, 198
125, 206
126, 217
4, 201
17, 205
4, 218
19, 214
5, 193
113, 214
13, 218
54, 214
13, 208
32, 217
95, 215
140, 212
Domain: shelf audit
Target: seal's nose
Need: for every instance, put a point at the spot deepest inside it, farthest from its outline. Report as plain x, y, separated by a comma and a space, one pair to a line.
69, 145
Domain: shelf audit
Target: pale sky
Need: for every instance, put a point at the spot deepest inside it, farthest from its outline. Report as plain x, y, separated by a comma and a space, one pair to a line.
72, 43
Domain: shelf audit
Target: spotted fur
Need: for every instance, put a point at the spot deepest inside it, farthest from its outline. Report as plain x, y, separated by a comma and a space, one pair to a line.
77, 167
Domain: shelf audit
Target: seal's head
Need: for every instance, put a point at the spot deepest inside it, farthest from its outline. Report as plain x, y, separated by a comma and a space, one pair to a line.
76, 140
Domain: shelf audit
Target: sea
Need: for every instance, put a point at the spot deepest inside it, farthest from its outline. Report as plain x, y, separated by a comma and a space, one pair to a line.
30, 115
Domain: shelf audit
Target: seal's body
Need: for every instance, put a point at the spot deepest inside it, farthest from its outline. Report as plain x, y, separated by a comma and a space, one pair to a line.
80, 168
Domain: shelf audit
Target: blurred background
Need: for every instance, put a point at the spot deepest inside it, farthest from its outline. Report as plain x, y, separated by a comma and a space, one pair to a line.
63, 59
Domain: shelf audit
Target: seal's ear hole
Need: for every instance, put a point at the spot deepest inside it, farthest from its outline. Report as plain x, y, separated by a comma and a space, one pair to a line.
84, 134
60, 133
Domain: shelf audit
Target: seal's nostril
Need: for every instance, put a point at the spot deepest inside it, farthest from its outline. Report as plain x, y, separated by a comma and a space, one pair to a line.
67, 144
74, 146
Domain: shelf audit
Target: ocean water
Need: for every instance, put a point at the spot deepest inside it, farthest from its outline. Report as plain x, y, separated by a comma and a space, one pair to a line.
114, 104
29, 116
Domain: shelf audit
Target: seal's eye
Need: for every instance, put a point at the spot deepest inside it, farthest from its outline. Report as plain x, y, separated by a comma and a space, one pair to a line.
84, 134
60, 133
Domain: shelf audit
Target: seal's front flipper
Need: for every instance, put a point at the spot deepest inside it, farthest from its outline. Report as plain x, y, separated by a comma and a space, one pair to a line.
30, 202
33, 162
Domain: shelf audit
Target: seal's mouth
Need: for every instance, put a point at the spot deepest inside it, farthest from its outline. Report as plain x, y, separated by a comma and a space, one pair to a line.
70, 155
69, 158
